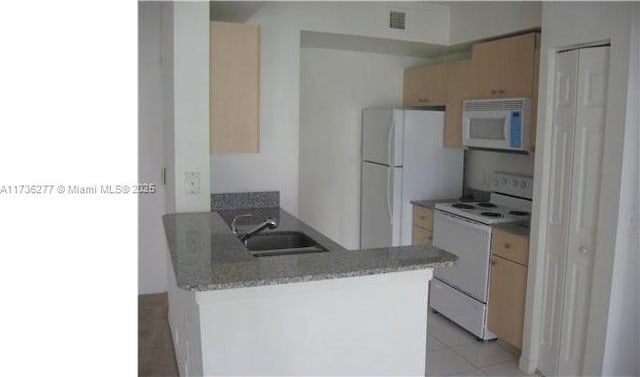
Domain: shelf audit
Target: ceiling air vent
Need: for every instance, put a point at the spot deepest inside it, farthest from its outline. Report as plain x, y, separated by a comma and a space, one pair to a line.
397, 19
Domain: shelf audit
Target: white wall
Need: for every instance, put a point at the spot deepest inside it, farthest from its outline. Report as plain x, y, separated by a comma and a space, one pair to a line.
335, 86
191, 102
570, 24
276, 166
471, 21
168, 104
151, 242
371, 325
623, 330
425, 22
174, 123
479, 164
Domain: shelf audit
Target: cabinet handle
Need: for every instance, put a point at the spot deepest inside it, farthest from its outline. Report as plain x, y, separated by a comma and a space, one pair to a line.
493, 91
507, 246
429, 238
421, 217
423, 100
493, 262
501, 91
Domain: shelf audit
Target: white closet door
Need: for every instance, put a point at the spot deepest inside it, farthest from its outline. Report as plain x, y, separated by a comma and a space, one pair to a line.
585, 196
560, 200
577, 146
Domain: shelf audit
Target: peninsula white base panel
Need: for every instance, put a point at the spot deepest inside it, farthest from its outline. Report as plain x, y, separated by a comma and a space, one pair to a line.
365, 325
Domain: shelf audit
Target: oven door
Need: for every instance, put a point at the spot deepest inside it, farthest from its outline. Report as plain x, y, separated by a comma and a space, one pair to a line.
471, 242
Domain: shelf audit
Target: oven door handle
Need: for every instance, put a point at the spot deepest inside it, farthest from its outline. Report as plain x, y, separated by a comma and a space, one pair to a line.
467, 222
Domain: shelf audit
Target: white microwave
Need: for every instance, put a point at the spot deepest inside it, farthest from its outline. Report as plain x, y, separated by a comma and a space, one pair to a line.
497, 124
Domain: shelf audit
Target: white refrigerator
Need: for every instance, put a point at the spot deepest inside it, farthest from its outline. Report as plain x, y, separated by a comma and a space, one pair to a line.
403, 159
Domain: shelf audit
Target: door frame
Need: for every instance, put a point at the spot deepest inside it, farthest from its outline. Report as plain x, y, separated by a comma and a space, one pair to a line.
605, 233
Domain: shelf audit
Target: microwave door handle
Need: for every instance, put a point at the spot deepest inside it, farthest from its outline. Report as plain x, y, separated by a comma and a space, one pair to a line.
390, 144
505, 130
465, 128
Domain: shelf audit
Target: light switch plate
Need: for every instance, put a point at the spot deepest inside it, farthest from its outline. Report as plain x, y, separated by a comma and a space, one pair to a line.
192, 183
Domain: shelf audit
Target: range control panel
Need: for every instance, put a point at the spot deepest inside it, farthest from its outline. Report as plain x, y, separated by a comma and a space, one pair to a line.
512, 184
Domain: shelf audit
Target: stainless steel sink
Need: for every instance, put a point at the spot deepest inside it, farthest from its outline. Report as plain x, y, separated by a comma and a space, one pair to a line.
282, 243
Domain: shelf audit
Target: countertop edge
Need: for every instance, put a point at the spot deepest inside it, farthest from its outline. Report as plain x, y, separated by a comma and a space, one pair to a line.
307, 278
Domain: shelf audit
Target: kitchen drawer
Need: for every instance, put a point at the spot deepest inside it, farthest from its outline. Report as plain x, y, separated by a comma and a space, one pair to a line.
423, 217
510, 246
422, 236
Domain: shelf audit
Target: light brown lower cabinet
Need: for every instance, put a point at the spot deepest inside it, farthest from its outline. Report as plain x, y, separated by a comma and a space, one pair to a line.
421, 236
506, 300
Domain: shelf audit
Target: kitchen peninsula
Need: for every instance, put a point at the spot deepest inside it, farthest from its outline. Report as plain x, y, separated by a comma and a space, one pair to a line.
338, 312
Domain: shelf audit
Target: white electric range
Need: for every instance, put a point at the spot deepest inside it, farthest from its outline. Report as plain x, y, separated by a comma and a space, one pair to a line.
461, 292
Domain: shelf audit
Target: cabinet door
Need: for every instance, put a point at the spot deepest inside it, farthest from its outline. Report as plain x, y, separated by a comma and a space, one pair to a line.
510, 246
459, 87
506, 300
234, 109
423, 217
504, 67
421, 236
425, 85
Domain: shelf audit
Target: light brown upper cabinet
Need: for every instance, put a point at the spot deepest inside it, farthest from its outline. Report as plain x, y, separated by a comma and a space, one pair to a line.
425, 85
459, 88
234, 108
504, 68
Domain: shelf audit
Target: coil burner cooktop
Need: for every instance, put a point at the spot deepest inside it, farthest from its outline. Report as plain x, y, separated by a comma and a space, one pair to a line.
510, 201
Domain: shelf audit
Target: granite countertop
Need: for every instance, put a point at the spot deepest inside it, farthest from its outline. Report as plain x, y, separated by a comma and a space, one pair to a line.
206, 255
519, 229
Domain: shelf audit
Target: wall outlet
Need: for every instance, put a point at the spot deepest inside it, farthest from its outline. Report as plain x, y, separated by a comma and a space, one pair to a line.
192, 183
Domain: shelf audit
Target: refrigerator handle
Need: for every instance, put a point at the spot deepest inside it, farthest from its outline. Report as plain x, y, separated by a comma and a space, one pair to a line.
390, 143
389, 170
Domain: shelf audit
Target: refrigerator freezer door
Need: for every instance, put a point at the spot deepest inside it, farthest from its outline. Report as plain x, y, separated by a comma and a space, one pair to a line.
382, 136
380, 206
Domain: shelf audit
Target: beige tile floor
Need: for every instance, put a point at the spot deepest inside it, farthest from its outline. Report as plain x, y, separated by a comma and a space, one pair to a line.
451, 351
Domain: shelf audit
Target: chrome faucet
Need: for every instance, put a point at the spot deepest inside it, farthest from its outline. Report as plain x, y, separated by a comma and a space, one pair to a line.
233, 223
267, 223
